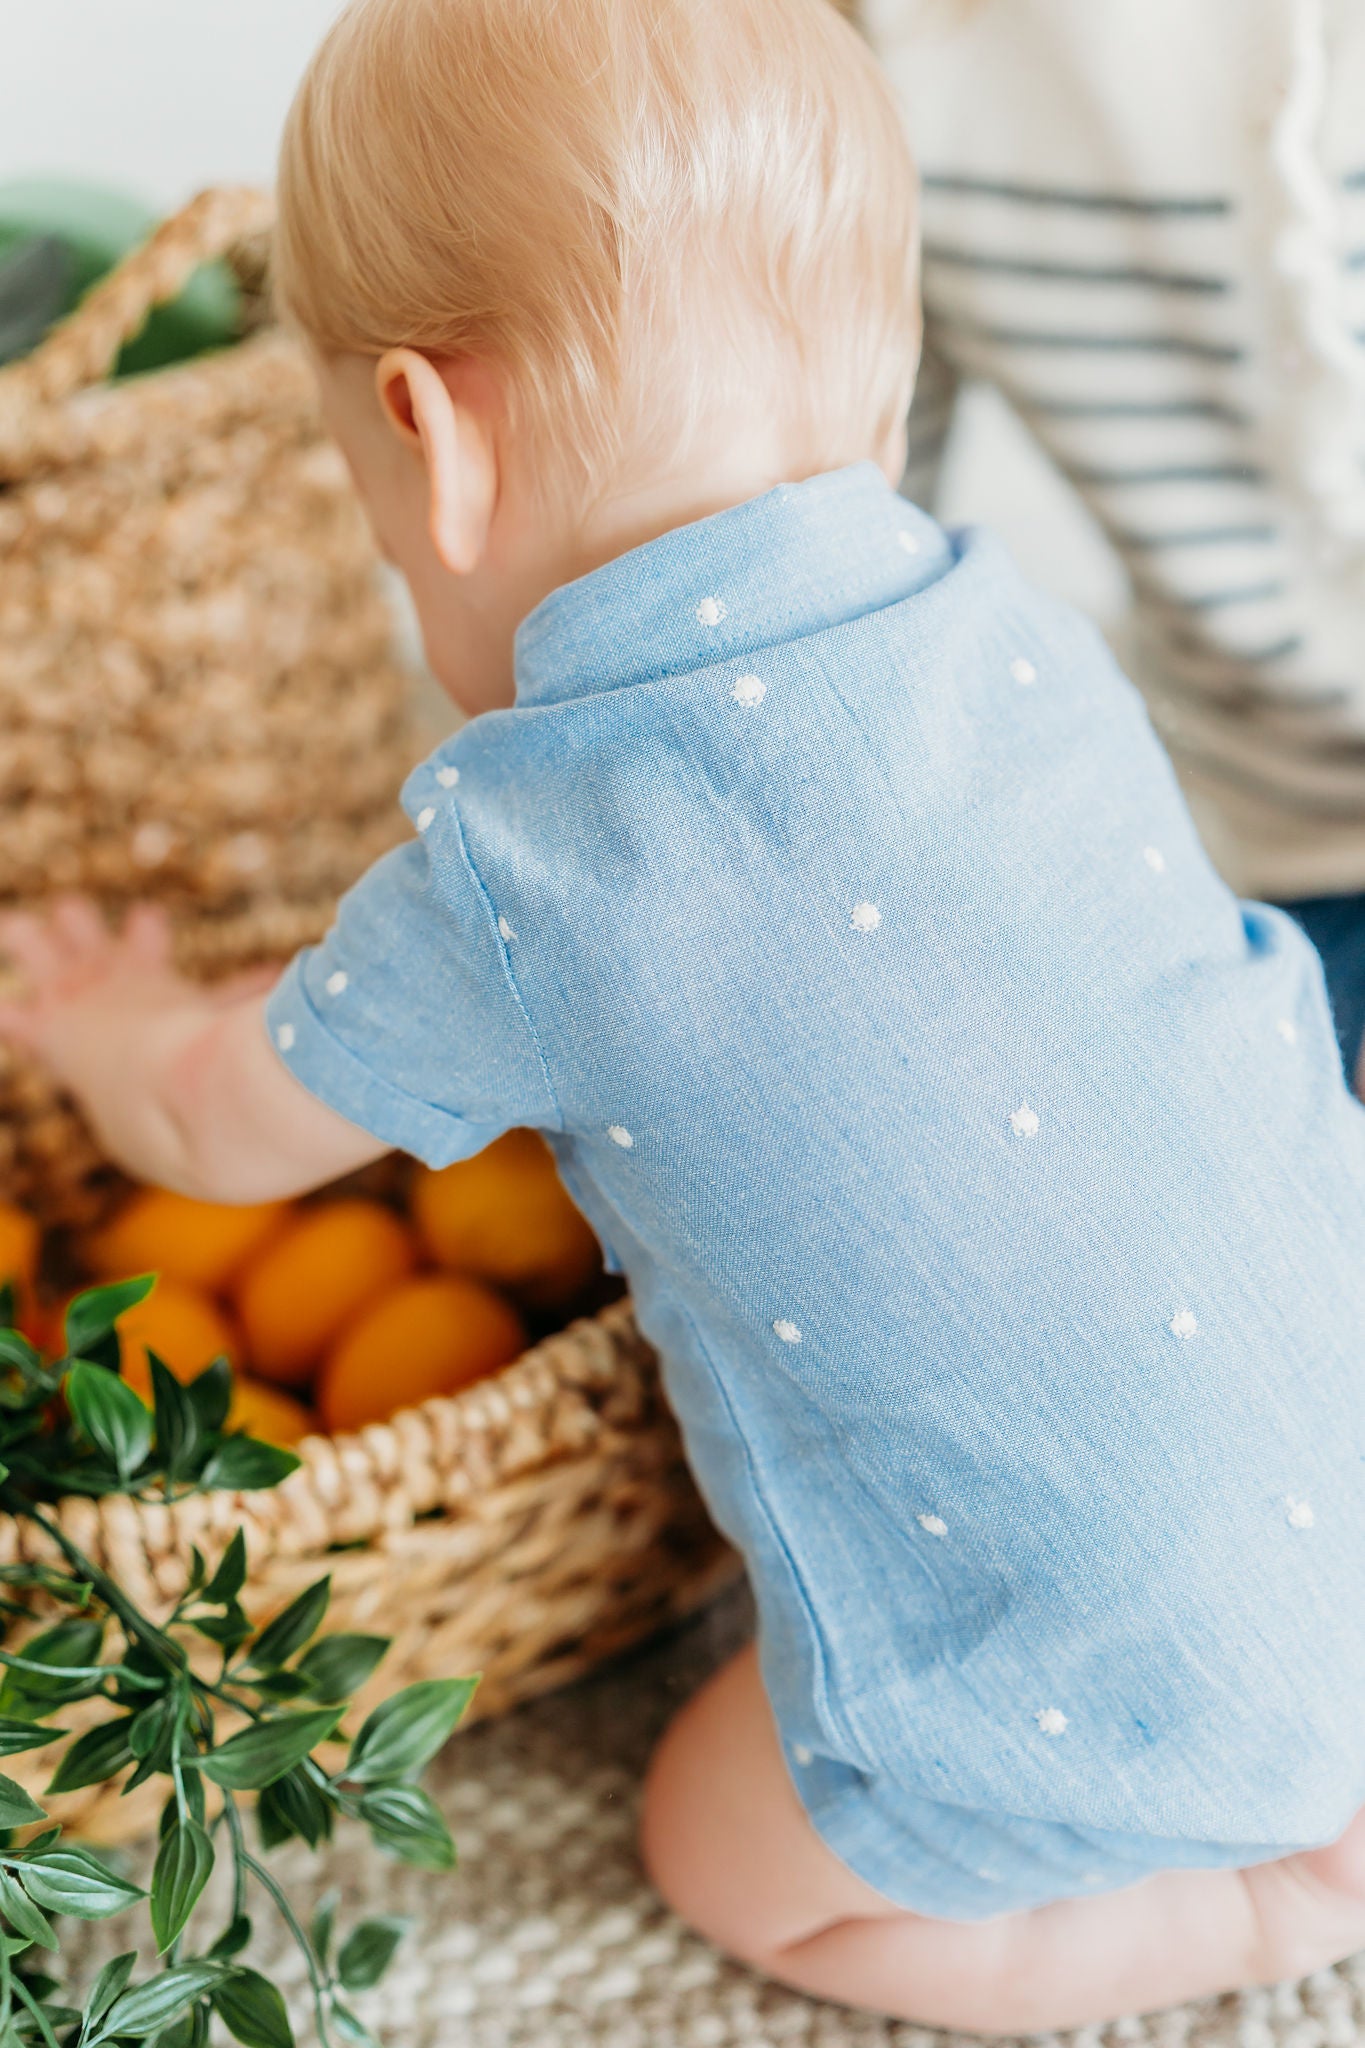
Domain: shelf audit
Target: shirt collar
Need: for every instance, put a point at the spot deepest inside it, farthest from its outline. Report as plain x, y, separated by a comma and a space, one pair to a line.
799, 559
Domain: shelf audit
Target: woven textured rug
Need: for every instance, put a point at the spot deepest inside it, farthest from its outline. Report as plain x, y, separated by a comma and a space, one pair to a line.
548, 1936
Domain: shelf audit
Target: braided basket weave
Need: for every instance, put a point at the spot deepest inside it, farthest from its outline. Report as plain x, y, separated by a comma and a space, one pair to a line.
198, 704
524, 1529
198, 695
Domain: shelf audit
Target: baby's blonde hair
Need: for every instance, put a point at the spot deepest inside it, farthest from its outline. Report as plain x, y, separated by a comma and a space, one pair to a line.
653, 216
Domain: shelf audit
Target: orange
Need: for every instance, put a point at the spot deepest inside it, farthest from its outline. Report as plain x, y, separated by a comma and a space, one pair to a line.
185, 1329
265, 1412
19, 1238
506, 1217
314, 1279
18, 1246
428, 1336
201, 1243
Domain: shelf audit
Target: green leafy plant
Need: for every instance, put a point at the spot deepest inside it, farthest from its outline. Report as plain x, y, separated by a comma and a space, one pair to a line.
71, 1425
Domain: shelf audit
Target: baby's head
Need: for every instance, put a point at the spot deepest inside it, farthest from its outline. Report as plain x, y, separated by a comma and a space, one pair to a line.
577, 271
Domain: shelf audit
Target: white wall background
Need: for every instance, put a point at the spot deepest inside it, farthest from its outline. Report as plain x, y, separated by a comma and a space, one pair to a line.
161, 97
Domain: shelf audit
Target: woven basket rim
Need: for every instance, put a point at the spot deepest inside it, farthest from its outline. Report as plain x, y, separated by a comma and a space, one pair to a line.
372, 1467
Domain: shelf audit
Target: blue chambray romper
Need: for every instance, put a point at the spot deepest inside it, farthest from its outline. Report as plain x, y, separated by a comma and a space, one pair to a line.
982, 1169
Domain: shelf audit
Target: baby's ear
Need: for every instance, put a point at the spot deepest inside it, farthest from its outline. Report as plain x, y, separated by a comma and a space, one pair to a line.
440, 415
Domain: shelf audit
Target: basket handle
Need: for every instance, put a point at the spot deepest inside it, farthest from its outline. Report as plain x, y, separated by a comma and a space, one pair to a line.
84, 347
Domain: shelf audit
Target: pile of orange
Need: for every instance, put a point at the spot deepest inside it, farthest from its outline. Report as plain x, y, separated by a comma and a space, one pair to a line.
339, 1310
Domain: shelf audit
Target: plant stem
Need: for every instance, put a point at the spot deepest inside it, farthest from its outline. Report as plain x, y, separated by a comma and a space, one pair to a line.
134, 1621
26, 1997
286, 1912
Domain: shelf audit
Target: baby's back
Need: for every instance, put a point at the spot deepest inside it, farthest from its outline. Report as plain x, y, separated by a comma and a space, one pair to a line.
984, 1171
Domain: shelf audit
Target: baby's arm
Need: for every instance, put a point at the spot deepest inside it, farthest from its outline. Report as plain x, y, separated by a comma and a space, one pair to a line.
180, 1083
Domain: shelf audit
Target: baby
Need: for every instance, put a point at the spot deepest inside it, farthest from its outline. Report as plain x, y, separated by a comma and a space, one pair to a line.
983, 1171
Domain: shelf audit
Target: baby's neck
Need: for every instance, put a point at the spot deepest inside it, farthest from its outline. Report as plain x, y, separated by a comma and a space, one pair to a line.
640, 511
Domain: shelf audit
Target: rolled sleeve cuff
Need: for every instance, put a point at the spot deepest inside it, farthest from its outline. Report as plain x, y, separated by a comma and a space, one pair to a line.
330, 1071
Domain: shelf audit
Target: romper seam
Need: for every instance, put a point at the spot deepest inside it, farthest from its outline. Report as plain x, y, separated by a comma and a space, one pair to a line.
833, 1719
512, 981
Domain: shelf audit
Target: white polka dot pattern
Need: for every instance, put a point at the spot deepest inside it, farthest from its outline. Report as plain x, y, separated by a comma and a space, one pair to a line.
788, 1332
1298, 1514
908, 541
1288, 1031
426, 818
932, 1525
285, 1037
619, 1135
1155, 859
505, 930
1052, 1721
447, 777
1025, 1122
749, 691
710, 611
1184, 1323
337, 984
865, 917
1022, 669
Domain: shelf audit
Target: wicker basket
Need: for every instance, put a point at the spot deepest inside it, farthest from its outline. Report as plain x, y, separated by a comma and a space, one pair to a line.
526, 1529
198, 694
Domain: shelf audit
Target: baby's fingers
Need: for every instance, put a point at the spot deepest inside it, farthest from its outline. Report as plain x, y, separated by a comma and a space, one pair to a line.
32, 945
79, 926
147, 935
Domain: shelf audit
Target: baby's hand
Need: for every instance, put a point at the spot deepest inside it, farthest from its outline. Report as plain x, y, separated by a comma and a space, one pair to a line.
179, 1081
80, 981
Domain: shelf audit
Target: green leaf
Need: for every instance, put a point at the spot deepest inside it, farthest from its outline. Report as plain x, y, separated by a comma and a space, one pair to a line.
17, 1810
92, 1315
178, 1430
233, 1939
406, 1822
324, 1925
291, 1629
151, 1731
16, 1736
229, 1630
257, 1756
170, 1812
16, 1353
107, 1987
22, 1914
252, 2010
282, 1685
151, 2006
293, 1805
70, 1646
109, 1415
403, 1734
242, 1465
211, 1394
230, 1577
94, 1756
339, 1665
183, 1864
191, 2030
368, 1950
71, 1881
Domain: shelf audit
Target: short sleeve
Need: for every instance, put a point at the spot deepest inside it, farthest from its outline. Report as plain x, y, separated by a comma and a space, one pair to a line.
406, 1019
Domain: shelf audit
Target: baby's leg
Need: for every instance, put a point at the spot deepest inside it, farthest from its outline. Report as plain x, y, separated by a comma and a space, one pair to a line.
729, 1846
